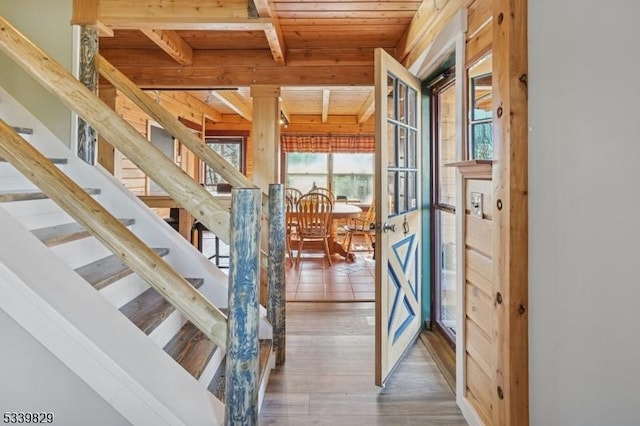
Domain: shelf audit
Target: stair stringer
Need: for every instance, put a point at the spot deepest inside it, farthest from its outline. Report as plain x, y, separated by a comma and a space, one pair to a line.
120, 202
78, 326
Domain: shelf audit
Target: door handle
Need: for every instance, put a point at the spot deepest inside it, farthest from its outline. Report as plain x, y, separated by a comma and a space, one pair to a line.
386, 227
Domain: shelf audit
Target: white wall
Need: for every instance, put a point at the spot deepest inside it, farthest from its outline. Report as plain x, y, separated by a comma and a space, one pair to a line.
584, 146
51, 387
47, 24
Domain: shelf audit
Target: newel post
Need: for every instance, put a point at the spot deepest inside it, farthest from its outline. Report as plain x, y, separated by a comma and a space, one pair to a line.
242, 368
87, 135
276, 306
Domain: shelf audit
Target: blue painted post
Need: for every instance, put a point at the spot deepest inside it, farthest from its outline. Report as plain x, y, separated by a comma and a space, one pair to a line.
87, 135
242, 368
276, 303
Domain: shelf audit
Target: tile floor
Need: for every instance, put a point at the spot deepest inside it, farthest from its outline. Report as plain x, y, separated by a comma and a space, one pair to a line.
314, 280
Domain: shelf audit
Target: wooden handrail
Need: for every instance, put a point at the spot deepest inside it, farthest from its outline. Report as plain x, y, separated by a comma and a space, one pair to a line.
113, 234
126, 139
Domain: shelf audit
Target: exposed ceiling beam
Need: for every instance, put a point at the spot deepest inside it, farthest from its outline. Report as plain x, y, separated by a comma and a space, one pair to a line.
273, 34
326, 93
367, 109
172, 44
154, 11
218, 24
235, 101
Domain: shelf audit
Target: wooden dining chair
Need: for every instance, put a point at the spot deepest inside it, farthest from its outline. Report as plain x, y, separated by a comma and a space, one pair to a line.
362, 226
323, 191
291, 222
293, 193
314, 221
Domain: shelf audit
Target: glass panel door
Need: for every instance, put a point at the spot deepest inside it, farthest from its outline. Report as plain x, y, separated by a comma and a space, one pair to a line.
444, 199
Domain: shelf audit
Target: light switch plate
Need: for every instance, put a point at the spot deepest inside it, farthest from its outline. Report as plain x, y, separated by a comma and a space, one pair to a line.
476, 204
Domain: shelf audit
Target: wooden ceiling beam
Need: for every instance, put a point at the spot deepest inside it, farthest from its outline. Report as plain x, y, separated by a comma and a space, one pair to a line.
192, 24
420, 23
220, 75
172, 44
235, 101
367, 109
273, 34
171, 11
326, 94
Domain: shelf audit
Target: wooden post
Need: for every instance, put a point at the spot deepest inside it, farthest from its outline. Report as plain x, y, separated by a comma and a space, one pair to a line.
87, 135
242, 367
510, 231
276, 302
266, 135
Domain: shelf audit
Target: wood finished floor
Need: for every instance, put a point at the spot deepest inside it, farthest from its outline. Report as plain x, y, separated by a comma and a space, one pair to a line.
328, 375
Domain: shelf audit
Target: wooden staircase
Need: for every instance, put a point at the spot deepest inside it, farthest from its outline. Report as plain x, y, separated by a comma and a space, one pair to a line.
122, 288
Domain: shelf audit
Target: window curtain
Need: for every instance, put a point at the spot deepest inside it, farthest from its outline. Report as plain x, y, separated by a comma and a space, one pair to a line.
328, 143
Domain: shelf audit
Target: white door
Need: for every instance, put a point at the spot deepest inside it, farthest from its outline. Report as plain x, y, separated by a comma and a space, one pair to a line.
398, 292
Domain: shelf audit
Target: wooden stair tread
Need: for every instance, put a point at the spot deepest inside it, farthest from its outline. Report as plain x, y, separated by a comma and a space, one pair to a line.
53, 160
217, 384
191, 349
59, 234
33, 194
109, 269
149, 309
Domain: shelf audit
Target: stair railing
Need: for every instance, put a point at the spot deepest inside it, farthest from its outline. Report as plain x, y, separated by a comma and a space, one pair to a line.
113, 234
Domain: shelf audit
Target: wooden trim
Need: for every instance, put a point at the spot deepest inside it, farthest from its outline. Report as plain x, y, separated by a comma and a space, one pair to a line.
85, 12
474, 169
113, 234
510, 215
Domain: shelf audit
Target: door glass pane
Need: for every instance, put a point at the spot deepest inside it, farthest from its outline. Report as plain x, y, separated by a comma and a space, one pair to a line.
412, 193
447, 269
412, 107
402, 147
391, 146
391, 104
391, 193
447, 146
402, 102
412, 146
402, 192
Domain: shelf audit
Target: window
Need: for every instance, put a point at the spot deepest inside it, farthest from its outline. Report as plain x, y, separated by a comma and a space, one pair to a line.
481, 111
349, 175
231, 148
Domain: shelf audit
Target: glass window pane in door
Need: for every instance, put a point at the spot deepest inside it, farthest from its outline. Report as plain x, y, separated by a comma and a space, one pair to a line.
447, 269
447, 146
412, 193
482, 141
392, 161
402, 102
402, 192
391, 193
402, 147
412, 104
391, 98
412, 149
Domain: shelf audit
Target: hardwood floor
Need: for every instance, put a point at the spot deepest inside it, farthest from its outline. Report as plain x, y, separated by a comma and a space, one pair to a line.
328, 376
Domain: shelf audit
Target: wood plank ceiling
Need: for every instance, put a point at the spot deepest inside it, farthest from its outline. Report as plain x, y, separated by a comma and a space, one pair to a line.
319, 52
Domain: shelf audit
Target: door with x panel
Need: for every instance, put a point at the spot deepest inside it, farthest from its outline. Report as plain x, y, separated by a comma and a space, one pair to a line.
398, 292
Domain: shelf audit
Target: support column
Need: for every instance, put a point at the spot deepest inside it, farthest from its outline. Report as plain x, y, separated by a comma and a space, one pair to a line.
266, 135
276, 306
242, 367
87, 135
